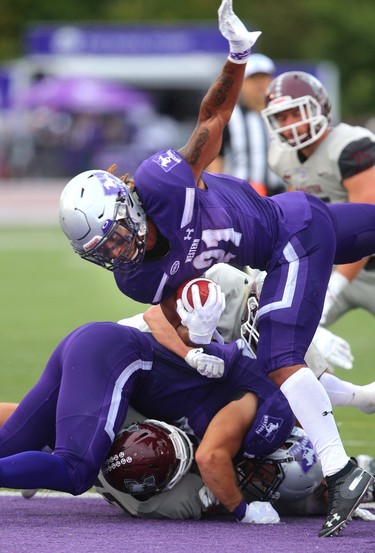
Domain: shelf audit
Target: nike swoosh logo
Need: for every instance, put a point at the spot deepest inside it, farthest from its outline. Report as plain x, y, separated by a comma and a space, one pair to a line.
355, 482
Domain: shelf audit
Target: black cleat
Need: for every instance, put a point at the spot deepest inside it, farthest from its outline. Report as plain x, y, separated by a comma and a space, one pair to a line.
345, 491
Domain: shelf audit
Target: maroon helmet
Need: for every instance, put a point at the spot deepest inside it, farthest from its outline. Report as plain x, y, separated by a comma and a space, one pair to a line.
148, 458
291, 90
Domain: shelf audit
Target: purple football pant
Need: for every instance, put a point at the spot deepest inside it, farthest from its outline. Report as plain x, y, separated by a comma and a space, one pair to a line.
294, 290
77, 407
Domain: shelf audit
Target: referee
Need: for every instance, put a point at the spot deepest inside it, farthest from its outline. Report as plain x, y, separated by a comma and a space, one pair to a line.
245, 140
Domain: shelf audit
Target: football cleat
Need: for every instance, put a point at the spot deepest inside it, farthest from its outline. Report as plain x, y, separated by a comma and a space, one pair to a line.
345, 491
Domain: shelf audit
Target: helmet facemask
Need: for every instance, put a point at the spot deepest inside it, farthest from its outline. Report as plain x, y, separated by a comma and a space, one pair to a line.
183, 449
291, 473
125, 233
310, 114
249, 326
259, 479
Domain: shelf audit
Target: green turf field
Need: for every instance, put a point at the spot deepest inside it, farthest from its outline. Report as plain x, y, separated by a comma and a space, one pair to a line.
47, 290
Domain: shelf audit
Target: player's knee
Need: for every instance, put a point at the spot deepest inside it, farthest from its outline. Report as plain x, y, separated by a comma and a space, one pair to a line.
82, 478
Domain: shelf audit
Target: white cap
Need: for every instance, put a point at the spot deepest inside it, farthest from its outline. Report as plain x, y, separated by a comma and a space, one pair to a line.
259, 63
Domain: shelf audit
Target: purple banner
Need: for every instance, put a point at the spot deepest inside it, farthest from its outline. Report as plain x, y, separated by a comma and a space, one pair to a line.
4, 88
120, 40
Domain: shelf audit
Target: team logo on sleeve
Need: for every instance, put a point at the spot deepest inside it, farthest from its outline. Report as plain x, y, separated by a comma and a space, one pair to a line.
167, 160
268, 427
174, 268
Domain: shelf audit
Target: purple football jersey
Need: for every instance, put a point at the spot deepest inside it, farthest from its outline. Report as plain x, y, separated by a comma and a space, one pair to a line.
295, 237
82, 398
228, 222
192, 400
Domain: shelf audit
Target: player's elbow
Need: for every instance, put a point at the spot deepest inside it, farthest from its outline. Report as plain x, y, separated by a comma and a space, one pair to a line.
209, 459
214, 113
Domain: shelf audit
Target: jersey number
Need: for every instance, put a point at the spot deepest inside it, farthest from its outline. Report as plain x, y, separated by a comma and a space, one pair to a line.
212, 238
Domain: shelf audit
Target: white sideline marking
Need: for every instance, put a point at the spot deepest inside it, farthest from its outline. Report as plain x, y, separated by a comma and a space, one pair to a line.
44, 494
356, 443
49, 493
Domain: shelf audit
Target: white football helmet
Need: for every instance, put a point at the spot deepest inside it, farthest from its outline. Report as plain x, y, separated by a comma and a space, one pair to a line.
297, 89
95, 207
291, 473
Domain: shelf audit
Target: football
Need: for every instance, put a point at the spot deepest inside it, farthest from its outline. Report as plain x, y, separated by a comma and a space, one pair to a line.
185, 294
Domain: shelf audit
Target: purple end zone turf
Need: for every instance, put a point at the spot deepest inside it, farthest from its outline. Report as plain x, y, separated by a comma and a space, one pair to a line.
90, 525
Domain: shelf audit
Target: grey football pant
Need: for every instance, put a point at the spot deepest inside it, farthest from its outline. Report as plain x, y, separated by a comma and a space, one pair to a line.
359, 294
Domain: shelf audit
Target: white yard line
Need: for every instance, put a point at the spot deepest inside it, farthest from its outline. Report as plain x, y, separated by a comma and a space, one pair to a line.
47, 493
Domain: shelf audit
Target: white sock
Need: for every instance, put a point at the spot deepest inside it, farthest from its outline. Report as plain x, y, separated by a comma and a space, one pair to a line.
340, 392
345, 393
311, 405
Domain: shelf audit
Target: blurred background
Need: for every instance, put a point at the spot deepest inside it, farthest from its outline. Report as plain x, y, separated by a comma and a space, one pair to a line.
86, 84
90, 83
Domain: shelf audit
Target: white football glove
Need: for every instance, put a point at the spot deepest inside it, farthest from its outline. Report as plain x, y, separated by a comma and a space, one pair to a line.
202, 320
207, 365
239, 38
260, 512
336, 350
207, 498
363, 514
337, 283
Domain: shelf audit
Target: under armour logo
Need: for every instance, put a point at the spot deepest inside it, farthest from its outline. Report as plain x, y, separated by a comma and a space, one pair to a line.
334, 517
325, 413
189, 232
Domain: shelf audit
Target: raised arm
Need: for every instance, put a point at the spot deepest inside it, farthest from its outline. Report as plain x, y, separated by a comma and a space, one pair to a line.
218, 104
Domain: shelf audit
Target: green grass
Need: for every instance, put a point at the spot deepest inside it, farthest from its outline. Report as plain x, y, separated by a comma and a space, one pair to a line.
47, 291
357, 429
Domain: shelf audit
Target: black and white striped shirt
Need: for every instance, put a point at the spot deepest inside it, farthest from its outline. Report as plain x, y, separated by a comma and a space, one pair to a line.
245, 146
